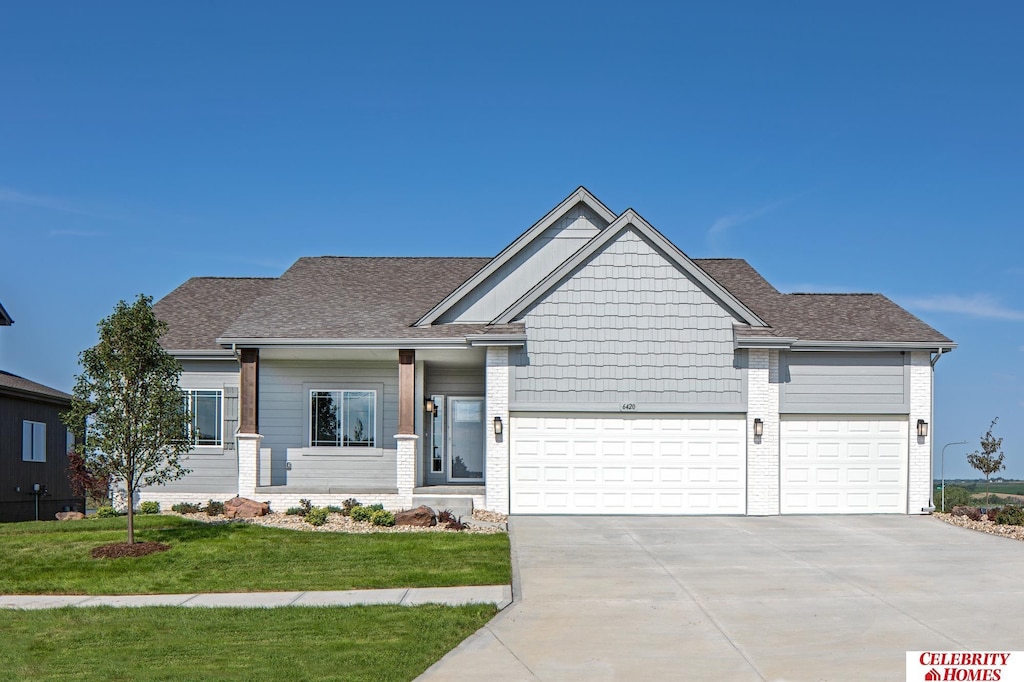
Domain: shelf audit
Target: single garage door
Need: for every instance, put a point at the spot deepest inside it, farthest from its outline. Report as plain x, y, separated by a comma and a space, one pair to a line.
843, 465
590, 464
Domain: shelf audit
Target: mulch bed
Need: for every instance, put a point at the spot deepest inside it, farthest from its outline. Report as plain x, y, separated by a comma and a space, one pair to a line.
121, 549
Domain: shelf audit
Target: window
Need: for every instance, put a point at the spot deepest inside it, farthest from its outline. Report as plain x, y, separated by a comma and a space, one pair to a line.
343, 418
33, 441
206, 410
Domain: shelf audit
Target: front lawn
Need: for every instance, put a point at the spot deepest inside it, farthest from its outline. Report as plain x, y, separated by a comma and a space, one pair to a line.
52, 557
174, 643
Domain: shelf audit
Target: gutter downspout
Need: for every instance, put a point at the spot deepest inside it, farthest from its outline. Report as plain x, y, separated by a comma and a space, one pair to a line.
931, 420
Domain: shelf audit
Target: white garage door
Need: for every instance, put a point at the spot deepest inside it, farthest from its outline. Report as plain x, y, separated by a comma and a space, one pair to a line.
843, 465
627, 465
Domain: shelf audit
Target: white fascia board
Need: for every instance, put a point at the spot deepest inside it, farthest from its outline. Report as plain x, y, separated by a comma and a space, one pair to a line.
455, 343
207, 354
631, 218
581, 195
871, 345
769, 342
496, 339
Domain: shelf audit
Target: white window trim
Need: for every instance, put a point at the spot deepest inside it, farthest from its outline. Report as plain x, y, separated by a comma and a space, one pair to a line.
33, 441
349, 450
205, 448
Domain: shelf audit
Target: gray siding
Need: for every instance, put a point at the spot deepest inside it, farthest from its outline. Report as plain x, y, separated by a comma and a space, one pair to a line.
284, 423
628, 328
532, 264
851, 383
213, 470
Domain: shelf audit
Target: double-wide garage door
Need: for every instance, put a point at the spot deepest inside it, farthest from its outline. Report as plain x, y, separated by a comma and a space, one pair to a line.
627, 465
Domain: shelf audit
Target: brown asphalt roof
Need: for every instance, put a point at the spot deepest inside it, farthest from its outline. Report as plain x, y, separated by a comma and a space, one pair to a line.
200, 309
12, 384
818, 317
334, 297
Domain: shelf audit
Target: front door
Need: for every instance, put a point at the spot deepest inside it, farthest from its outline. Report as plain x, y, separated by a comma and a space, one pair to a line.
466, 440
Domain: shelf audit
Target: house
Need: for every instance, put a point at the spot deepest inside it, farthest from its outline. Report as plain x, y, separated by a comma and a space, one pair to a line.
591, 367
34, 481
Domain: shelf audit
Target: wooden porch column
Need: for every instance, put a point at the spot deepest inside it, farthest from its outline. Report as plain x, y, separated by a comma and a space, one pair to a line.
249, 399
406, 392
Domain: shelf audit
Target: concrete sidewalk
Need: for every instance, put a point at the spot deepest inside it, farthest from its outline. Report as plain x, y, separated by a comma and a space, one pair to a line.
499, 595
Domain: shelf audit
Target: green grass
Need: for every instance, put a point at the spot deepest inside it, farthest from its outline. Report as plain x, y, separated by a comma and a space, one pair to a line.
295, 643
52, 557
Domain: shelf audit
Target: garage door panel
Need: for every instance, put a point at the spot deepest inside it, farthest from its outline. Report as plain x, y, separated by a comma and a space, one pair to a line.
626, 465
845, 466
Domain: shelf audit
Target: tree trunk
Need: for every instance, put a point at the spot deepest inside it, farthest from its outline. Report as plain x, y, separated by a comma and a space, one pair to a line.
131, 515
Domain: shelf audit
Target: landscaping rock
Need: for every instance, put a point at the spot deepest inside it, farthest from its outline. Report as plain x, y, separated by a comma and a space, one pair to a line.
244, 508
420, 516
70, 516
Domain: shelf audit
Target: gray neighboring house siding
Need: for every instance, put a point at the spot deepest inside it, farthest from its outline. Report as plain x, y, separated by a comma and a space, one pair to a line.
628, 327
844, 383
284, 423
212, 470
545, 253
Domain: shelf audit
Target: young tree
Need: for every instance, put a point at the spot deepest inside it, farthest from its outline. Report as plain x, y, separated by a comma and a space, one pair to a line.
126, 410
990, 459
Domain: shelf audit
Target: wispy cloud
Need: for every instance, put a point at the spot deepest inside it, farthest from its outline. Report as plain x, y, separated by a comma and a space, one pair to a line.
727, 222
977, 305
9, 195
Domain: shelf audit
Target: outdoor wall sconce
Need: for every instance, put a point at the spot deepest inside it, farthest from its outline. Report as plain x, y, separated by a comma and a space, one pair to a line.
498, 426
429, 406
922, 428
758, 428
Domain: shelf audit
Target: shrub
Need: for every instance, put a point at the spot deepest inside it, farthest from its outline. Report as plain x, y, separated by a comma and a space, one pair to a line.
214, 508
1011, 515
295, 511
317, 516
973, 513
348, 505
457, 524
106, 512
955, 496
186, 508
306, 506
149, 507
334, 509
446, 516
992, 513
362, 513
382, 517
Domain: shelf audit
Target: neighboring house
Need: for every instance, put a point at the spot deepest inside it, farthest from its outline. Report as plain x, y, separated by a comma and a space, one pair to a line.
33, 449
589, 368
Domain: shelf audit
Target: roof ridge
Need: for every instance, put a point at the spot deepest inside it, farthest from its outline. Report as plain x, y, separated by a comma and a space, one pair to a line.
397, 257
833, 293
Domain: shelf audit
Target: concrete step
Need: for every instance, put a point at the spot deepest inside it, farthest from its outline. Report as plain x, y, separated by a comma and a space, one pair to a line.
460, 505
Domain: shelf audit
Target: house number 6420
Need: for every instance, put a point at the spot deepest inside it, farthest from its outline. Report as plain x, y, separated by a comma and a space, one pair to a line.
628, 407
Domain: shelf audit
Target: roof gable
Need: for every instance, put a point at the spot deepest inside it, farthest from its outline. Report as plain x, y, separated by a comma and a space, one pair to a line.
534, 254
5, 319
631, 221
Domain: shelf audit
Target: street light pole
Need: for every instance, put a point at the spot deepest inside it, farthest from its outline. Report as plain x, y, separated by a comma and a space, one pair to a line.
959, 442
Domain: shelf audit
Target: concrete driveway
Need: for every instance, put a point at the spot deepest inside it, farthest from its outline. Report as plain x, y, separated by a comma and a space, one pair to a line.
743, 598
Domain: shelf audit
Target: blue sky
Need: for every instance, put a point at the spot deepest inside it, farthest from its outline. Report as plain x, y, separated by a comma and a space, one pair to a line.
865, 146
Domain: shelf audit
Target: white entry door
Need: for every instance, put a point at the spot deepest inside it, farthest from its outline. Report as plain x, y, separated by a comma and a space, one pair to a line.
598, 464
843, 465
466, 440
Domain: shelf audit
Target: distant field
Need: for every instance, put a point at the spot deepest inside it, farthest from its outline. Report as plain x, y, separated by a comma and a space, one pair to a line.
1000, 487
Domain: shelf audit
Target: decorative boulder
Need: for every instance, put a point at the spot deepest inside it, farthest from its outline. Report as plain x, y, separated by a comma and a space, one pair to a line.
420, 516
70, 516
244, 508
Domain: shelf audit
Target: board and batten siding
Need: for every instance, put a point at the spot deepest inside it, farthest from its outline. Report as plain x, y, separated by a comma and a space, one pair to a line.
212, 470
284, 423
844, 383
628, 328
513, 279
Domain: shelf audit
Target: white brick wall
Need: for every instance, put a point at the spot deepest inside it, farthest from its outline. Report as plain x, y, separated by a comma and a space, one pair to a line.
248, 463
497, 474
405, 468
920, 476
763, 453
